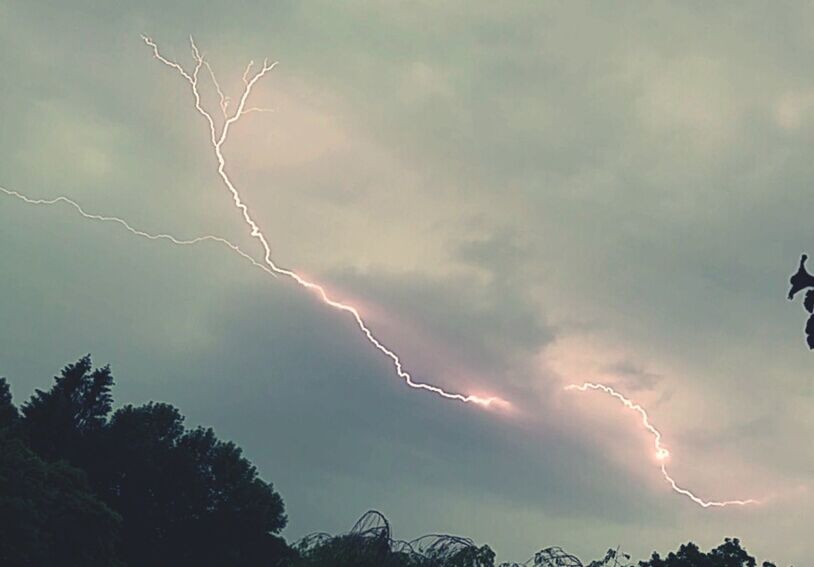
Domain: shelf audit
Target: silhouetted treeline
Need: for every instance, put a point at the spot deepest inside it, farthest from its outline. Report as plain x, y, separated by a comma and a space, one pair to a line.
82, 485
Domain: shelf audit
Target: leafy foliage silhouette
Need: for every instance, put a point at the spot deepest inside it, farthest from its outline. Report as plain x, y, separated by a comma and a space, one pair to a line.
181, 497
799, 281
49, 515
65, 421
8, 413
728, 554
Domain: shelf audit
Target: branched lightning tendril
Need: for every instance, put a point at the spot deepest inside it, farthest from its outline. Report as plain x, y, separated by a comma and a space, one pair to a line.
218, 136
150, 236
661, 452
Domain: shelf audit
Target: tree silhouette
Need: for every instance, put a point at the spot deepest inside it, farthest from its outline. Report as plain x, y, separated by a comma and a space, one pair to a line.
728, 554
187, 498
49, 515
8, 413
61, 423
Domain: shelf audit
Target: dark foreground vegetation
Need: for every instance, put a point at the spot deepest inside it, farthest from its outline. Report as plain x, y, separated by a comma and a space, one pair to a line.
82, 485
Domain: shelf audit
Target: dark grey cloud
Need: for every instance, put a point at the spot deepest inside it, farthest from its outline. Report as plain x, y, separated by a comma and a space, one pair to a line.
493, 183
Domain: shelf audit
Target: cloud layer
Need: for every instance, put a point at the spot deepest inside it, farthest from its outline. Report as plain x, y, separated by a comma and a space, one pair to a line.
517, 196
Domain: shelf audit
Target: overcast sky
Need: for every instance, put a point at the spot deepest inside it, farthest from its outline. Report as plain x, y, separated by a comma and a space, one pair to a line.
518, 195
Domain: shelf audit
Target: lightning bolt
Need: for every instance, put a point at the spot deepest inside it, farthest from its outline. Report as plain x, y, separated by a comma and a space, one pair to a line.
272, 270
218, 136
123, 223
662, 454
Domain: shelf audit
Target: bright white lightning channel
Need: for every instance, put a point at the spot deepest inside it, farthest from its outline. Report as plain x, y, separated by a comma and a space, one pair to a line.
218, 136
217, 139
662, 454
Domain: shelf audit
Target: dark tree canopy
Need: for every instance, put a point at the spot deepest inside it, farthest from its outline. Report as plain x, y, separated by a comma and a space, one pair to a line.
187, 498
728, 554
61, 422
49, 515
182, 497
8, 413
